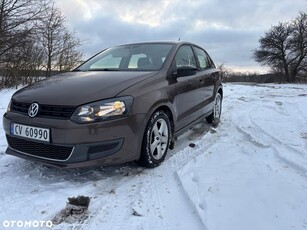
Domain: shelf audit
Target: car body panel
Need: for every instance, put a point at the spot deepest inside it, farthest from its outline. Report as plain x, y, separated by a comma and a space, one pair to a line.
77, 88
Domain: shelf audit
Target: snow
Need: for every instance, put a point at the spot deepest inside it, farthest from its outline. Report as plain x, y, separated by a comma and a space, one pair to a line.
248, 173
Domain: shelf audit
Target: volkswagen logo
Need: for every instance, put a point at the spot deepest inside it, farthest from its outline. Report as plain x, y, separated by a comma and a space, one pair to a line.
33, 110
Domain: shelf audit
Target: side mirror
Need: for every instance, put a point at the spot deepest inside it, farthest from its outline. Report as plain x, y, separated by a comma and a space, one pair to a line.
184, 71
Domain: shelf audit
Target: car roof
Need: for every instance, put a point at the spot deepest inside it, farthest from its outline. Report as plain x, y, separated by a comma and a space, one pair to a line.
157, 42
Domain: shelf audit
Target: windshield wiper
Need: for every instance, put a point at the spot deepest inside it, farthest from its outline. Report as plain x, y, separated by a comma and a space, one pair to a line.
103, 69
78, 70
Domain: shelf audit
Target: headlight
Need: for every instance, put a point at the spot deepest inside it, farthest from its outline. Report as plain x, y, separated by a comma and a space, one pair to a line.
9, 106
103, 110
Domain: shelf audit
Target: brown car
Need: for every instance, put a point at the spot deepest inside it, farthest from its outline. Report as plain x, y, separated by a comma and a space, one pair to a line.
126, 103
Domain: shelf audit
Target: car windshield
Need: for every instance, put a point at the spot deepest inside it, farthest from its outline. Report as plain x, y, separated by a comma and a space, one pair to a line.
135, 57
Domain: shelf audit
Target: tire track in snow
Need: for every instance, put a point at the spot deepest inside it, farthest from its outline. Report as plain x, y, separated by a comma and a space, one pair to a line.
238, 124
282, 150
278, 152
203, 147
199, 205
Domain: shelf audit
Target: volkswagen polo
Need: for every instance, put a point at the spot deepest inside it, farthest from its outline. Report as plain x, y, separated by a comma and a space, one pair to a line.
126, 103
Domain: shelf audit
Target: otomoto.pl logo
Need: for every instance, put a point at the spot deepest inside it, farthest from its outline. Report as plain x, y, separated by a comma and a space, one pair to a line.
27, 224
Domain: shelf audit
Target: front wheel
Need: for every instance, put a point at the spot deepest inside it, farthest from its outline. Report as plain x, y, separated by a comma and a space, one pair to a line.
214, 117
156, 140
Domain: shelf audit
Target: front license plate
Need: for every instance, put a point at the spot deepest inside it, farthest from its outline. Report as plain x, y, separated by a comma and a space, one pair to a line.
30, 132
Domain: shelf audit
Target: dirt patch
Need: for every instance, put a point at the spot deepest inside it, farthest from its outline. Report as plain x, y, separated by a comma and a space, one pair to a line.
76, 211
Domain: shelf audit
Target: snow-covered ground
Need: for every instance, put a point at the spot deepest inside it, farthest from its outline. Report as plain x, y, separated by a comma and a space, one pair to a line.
250, 173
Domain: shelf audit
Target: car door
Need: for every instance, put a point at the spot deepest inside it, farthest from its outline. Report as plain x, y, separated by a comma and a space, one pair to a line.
189, 93
209, 75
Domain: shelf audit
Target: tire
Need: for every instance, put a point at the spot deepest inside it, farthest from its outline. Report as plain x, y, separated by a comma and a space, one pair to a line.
156, 140
214, 117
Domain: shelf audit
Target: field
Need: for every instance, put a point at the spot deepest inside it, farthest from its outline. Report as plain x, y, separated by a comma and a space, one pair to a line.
249, 173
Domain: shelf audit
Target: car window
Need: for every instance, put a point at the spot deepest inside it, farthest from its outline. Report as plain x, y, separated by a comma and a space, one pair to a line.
133, 64
135, 57
202, 58
185, 56
108, 62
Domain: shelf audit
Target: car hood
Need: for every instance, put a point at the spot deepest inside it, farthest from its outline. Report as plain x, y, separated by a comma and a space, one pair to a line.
77, 88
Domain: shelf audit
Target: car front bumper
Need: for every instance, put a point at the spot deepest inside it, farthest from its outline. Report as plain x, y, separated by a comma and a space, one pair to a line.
78, 145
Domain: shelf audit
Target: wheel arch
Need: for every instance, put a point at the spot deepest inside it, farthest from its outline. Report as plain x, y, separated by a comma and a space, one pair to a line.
167, 108
170, 114
220, 90
142, 160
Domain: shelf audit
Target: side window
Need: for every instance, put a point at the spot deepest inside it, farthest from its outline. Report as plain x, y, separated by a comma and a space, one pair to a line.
185, 56
202, 58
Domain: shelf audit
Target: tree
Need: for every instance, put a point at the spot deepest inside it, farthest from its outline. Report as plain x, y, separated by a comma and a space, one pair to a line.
69, 56
60, 46
19, 50
284, 48
23, 63
33, 39
16, 23
299, 44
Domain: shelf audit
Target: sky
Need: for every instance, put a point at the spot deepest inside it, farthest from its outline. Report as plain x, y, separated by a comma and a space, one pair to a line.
228, 29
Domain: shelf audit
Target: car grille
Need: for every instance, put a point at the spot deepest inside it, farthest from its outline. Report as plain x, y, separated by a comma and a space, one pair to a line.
41, 150
50, 111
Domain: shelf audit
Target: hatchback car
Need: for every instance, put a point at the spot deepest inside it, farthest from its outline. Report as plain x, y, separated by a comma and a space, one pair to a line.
126, 103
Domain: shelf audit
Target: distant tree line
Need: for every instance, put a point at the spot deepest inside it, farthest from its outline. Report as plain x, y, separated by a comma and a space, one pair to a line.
34, 42
284, 49
228, 75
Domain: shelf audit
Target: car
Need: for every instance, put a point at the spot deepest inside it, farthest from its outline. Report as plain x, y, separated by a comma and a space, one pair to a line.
127, 103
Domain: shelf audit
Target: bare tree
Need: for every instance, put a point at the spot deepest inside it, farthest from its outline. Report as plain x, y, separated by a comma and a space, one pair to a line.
16, 22
17, 27
34, 40
69, 56
299, 45
225, 71
60, 46
284, 47
49, 32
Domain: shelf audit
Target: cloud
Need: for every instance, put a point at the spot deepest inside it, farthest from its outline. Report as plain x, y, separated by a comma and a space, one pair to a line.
229, 30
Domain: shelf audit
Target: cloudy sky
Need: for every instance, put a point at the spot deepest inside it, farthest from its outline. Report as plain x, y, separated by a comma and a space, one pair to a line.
228, 29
